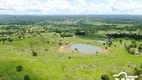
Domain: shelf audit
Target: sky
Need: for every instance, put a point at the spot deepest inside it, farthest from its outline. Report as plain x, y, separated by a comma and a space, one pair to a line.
52, 7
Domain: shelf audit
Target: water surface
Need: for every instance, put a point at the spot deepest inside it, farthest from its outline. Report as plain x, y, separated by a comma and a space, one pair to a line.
86, 48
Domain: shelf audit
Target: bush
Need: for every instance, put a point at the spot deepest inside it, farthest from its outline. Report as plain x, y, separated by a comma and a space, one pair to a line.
109, 44
19, 68
34, 53
60, 44
104, 43
120, 41
104, 77
27, 77
114, 45
137, 71
46, 49
140, 49
69, 57
76, 49
132, 51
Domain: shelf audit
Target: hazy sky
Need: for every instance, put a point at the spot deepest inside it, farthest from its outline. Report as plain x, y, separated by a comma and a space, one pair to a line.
45, 7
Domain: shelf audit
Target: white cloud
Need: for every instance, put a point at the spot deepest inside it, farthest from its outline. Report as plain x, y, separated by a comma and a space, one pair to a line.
82, 2
70, 7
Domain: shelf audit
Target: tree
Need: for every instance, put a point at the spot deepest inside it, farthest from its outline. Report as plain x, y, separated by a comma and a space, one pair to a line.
120, 41
60, 43
132, 51
9, 40
140, 49
104, 77
104, 43
19, 68
76, 49
134, 44
137, 71
34, 53
109, 44
114, 45
27, 77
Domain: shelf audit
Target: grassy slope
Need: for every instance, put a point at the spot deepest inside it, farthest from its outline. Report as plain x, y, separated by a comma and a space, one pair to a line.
54, 65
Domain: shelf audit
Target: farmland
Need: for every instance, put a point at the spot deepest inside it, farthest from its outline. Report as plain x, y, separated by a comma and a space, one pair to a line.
30, 47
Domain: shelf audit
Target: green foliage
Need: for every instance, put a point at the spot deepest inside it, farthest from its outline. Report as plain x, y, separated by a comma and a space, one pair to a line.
34, 53
60, 43
27, 77
76, 49
53, 64
109, 44
19, 68
104, 77
140, 49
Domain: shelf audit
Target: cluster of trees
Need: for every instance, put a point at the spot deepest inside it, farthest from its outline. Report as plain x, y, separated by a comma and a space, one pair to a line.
6, 39
122, 35
80, 33
65, 34
140, 48
138, 71
6, 33
133, 47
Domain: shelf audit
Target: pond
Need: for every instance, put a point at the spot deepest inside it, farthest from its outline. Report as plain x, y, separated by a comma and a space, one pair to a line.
85, 48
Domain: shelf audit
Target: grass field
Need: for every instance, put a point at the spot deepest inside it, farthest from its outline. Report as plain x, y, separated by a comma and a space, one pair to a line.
56, 65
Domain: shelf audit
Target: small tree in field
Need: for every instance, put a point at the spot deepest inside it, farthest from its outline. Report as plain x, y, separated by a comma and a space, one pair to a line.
104, 77
120, 41
75, 49
34, 53
27, 77
19, 68
106, 48
132, 51
104, 44
109, 44
140, 49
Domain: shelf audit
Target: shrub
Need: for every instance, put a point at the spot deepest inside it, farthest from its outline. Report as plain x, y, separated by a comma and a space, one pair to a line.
60, 43
69, 57
114, 45
19, 68
109, 44
140, 49
46, 49
120, 41
48, 42
104, 77
34, 53
137, 71
104, 43
27, 77
132, 51
76, 49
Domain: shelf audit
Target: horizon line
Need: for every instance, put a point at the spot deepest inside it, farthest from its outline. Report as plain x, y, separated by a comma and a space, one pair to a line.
70, 14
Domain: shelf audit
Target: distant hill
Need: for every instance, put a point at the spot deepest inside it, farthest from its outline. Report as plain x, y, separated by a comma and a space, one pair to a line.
31, 19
